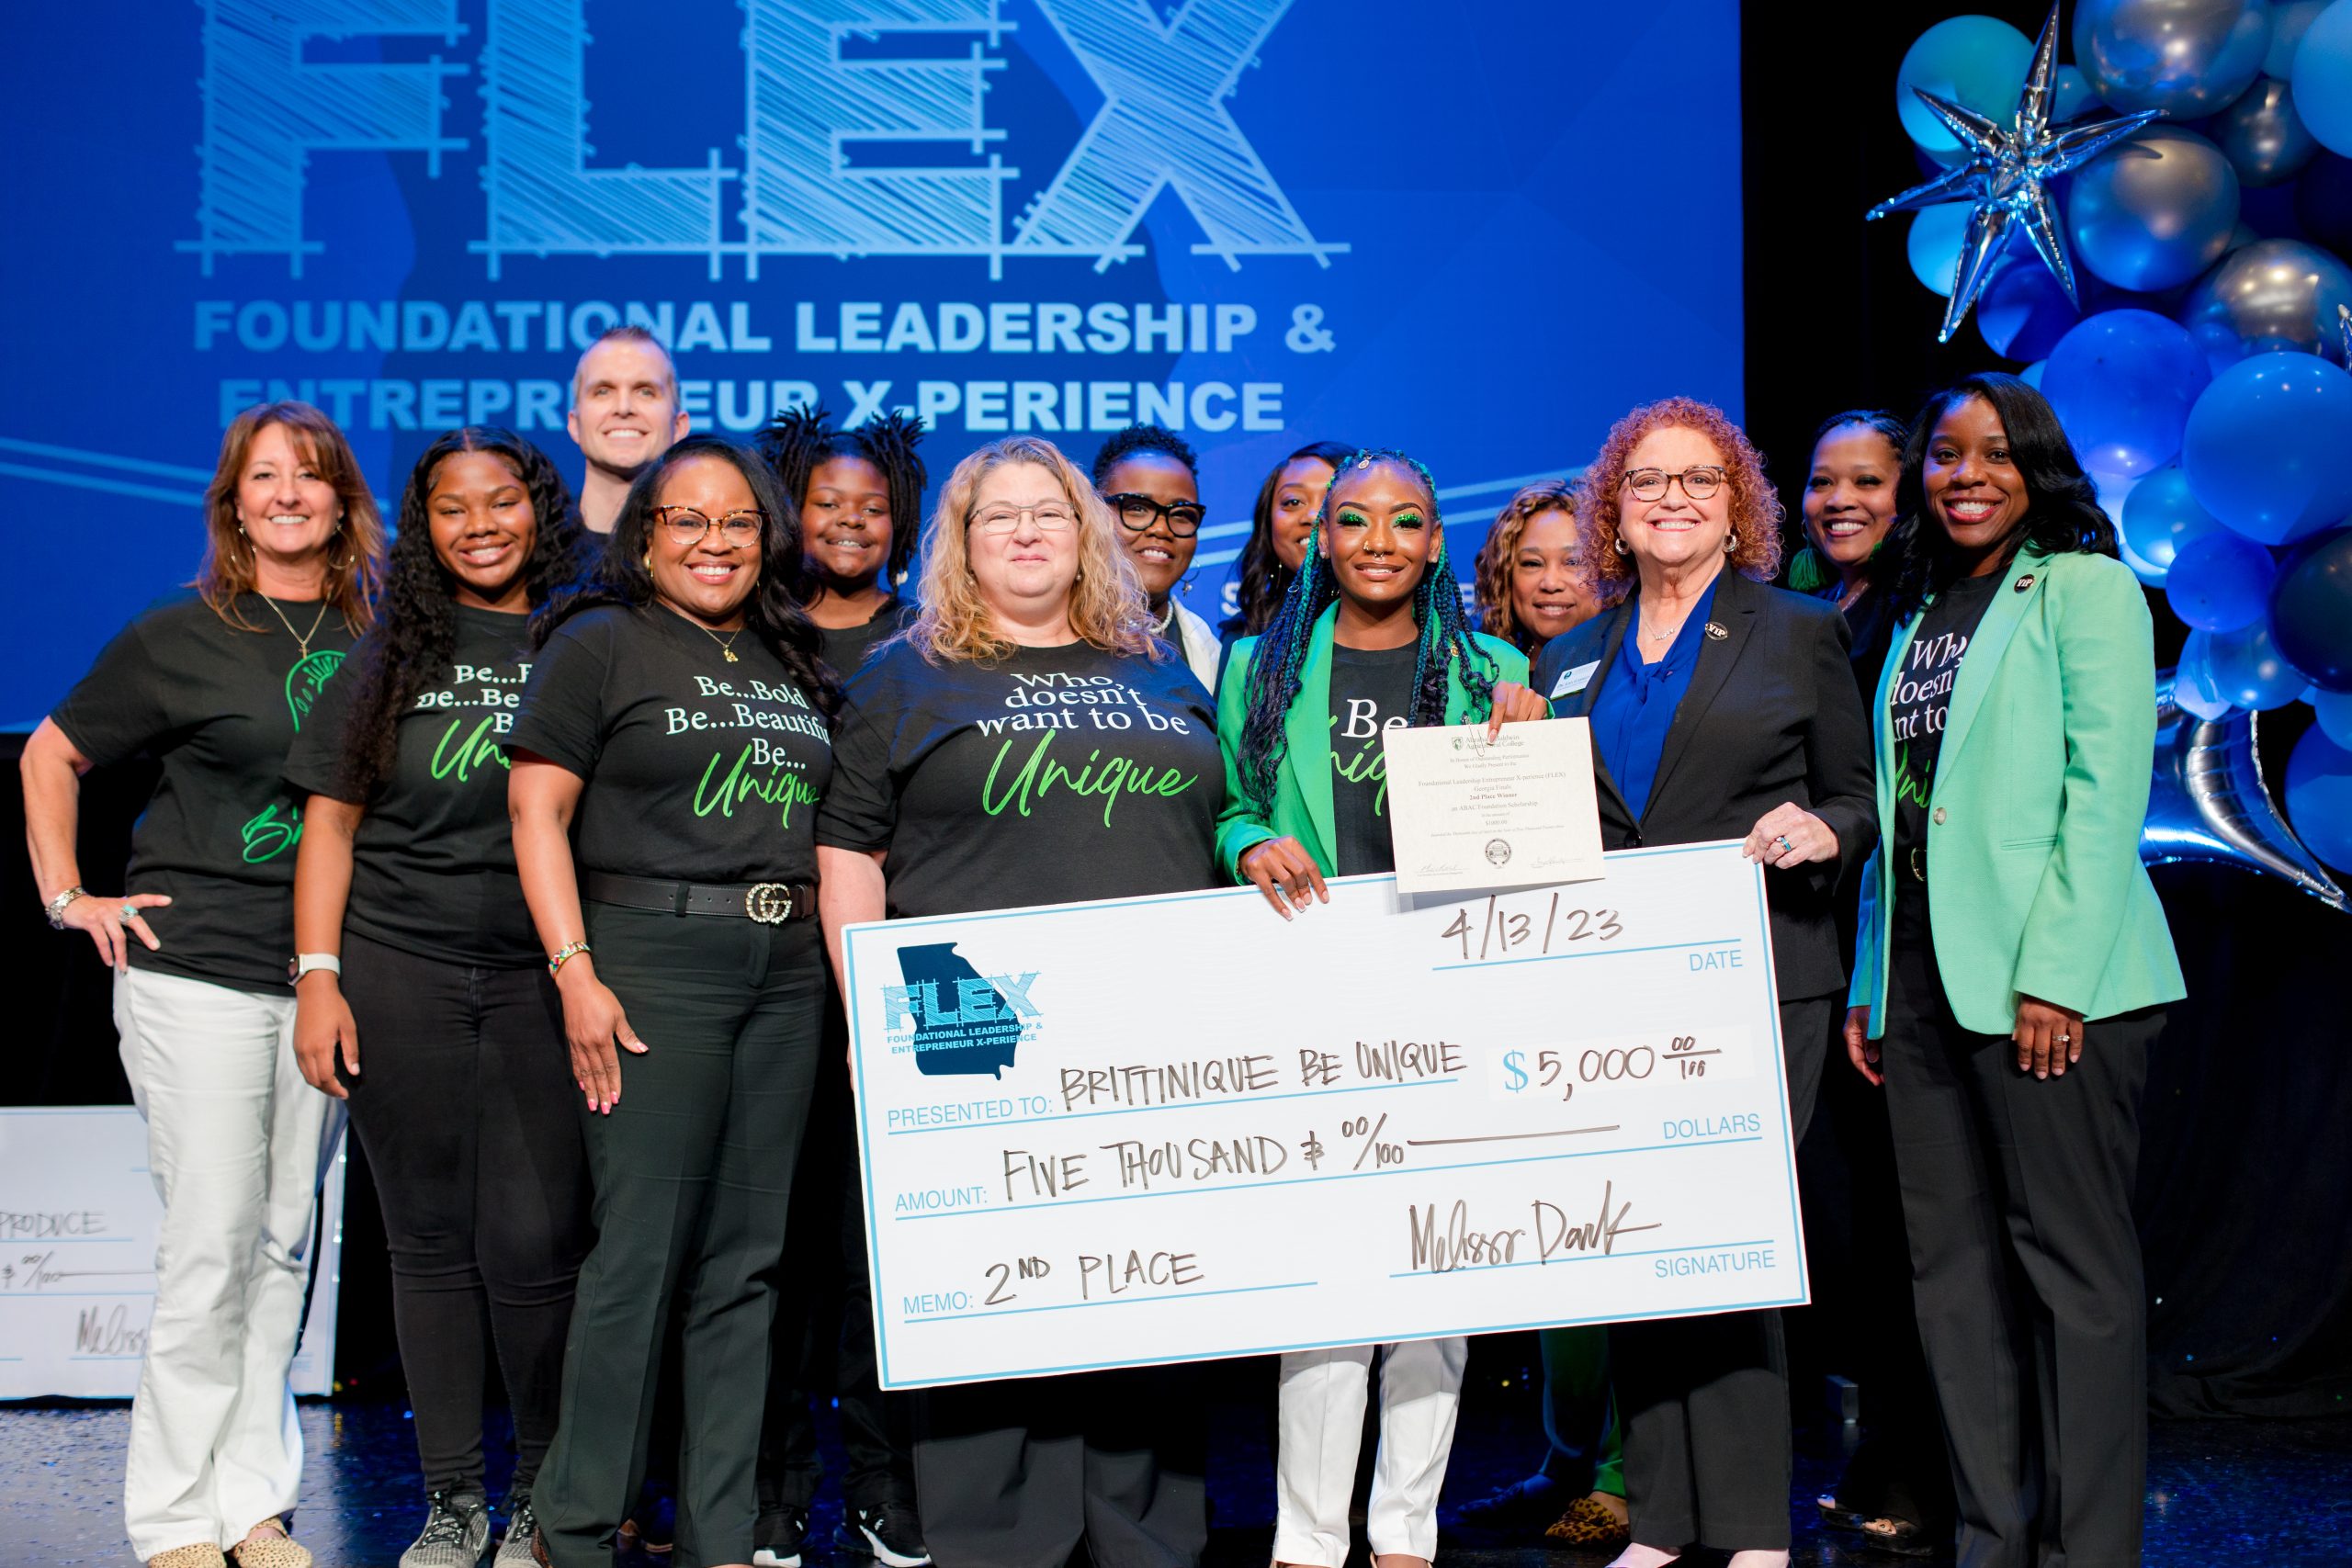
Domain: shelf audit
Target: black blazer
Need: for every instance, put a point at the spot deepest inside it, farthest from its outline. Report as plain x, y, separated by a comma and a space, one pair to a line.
1772, 715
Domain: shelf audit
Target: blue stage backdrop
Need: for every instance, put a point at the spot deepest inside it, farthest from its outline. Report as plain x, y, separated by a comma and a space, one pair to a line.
1475, 231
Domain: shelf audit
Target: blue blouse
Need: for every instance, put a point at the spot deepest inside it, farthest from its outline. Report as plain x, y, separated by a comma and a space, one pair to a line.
1635, 708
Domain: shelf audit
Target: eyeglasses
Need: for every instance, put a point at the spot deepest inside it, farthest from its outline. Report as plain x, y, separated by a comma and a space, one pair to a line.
688, 527
1051, 517
1137, 512
1699, 484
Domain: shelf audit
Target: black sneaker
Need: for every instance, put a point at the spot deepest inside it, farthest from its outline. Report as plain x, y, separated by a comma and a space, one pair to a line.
457, 1531
890, 1534
786, 1531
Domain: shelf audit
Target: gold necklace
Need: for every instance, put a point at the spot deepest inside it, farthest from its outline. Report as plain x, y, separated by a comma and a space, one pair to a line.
301, 639
725, 646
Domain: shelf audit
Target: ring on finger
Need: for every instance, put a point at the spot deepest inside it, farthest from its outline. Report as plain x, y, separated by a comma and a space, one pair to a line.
1786, 847
124, 914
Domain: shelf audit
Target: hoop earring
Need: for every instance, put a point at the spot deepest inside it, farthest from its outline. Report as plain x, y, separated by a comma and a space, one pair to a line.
1731, 541
647, 561
1620, 545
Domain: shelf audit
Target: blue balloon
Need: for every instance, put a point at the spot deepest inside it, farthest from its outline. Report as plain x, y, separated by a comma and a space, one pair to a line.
2319, 798
1934, 245
1978, 63
2311, 609
2193, 686
2220, 582
2323, 78
2024, 312
2249, 669
2075, 96
2123, 384
2161, 517
2186, 58
2153, 210
2289, 19
2265, 444
2335, 711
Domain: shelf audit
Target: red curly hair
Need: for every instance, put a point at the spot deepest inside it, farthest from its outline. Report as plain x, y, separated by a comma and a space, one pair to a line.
1756, 512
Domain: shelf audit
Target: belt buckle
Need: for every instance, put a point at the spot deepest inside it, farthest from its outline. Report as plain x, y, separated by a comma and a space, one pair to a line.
1918, 862
769, 903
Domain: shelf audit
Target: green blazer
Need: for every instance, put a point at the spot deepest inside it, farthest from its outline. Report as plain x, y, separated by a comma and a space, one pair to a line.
2035, 811
1302, 805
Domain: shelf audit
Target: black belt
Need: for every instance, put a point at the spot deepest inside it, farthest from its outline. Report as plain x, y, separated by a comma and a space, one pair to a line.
769, 903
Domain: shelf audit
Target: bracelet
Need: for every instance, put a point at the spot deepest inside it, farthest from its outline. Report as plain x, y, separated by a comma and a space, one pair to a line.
56, 907
563, 955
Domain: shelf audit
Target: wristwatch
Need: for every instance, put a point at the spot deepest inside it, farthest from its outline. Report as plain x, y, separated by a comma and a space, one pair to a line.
301, 963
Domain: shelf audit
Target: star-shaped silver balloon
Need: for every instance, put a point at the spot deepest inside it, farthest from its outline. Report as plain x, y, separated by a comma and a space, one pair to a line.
2005, 176
2209, 802
2344, 320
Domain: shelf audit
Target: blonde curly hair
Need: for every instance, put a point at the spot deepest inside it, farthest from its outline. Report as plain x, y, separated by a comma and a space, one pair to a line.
1108, 607
1756, 512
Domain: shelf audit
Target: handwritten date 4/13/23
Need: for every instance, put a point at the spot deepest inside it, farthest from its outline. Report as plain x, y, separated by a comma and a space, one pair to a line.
1534, 926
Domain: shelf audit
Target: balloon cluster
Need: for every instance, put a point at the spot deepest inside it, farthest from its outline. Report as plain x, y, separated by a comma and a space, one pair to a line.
2199, 365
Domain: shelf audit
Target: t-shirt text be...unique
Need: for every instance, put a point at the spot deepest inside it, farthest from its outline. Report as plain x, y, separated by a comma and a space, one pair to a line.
783, 783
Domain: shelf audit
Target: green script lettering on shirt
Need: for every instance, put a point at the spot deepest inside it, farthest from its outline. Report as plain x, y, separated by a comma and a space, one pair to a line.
1111, 778
784, 786
303, 680
1909, 787
270, 834
477, 750
1366, 764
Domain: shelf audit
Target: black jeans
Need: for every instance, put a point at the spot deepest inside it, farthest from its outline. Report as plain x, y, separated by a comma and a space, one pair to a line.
2025, 1267
692, 1173
824, 1330
463, 1103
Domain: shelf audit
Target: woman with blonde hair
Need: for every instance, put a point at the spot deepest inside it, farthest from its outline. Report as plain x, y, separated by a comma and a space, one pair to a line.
1533, 582
959, 784
215, 686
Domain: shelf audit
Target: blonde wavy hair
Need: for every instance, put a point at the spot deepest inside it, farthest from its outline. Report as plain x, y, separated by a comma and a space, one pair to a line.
1108, 607
1492, 580
355, 563
1756, 512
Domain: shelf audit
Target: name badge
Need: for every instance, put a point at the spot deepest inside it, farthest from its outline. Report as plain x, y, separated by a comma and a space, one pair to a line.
1573, 680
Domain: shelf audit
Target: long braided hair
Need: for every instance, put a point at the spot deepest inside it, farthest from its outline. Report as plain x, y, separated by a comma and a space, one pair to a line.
801, 440
1276, 669
773, 613
416, 627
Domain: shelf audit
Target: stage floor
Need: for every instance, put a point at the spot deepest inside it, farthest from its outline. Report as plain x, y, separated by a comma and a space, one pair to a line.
2272, 1493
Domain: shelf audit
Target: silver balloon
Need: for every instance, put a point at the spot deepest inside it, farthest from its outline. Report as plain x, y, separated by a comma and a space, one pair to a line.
2271, 294
2210, 801
2153, 210
2265, 140
2185, 57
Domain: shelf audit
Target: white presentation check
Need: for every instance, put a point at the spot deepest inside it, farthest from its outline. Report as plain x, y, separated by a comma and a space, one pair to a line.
1178, 1128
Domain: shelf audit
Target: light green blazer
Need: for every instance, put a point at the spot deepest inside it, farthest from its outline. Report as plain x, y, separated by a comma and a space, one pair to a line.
1302, 804
2035, 815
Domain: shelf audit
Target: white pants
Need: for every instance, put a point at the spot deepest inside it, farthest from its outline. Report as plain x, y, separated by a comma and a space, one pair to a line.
1322, 1420
237, 1142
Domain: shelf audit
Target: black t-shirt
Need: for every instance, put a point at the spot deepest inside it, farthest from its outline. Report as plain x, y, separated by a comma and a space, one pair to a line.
846, 647
1372, 690
217, 707
697, 770
433, 865
1053, 775
1919, 701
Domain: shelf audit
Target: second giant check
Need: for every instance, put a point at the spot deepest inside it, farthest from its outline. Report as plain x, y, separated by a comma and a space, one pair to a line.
1176, 1128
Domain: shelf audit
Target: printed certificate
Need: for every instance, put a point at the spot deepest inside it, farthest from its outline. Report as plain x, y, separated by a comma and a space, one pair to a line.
1370, 1123
1518, 811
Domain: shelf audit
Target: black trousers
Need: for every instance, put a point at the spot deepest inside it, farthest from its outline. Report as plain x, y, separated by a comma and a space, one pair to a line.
1018, 1473
824, 1330
2017, 1192
463, 1104
692, 1173
1705, 1400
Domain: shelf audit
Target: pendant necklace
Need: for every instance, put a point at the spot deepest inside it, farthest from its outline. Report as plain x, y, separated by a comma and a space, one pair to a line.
726, 644
302, 639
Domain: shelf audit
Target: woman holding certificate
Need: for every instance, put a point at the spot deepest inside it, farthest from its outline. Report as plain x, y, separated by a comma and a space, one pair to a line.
1721, 708
2013, 968
968, 776
1370, 637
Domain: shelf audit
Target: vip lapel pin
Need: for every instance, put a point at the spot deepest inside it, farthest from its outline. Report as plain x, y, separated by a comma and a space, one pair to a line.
1716, 631
2024, 582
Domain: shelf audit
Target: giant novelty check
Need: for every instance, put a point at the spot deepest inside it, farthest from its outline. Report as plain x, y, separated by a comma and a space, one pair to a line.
1175, 1128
